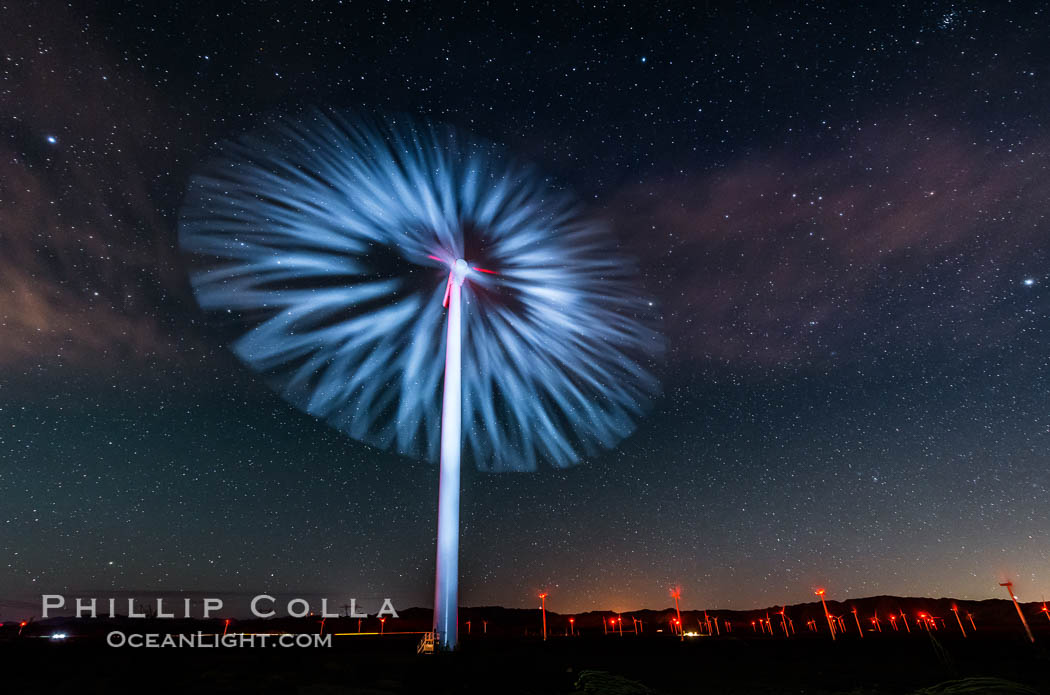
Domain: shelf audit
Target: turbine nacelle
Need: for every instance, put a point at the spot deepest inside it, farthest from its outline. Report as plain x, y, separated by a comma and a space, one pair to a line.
458, 273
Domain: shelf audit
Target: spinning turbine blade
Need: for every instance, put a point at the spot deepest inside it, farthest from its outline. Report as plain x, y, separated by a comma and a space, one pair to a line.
448, 292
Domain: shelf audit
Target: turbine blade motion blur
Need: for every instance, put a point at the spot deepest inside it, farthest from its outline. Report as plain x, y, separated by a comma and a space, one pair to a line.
324, 238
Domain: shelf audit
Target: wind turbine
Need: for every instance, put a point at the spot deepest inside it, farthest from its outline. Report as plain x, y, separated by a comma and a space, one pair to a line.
327, 237
543, 609
859, 631
955, 609
831, 626
676, 593
1010, 590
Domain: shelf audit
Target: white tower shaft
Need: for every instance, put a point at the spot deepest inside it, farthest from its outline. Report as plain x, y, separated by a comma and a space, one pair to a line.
446, 582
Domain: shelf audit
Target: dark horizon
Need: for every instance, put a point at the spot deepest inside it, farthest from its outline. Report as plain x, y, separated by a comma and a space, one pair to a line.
994, 618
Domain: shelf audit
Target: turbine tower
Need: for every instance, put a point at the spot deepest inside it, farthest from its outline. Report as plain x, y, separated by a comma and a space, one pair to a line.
831, 626
446, 579
543, 609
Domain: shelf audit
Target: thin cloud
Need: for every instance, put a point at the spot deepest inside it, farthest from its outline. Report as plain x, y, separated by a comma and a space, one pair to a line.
902, 238
84, 258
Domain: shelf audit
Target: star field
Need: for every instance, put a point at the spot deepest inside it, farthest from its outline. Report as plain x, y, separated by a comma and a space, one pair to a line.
841, 212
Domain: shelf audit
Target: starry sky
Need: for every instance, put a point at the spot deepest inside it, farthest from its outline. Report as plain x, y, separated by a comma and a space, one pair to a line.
842, 212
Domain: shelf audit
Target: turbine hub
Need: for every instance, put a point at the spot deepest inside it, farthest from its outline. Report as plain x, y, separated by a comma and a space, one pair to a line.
459, 271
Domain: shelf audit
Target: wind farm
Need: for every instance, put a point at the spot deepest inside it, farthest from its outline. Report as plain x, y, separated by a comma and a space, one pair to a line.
662, 650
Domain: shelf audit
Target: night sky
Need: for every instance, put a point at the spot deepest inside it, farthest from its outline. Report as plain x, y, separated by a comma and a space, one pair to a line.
842, 213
